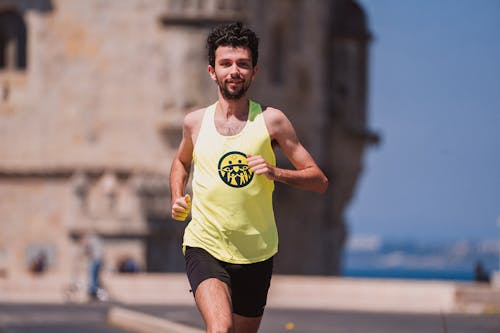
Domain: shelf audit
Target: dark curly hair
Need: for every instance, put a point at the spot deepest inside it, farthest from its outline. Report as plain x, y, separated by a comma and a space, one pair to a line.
235, 35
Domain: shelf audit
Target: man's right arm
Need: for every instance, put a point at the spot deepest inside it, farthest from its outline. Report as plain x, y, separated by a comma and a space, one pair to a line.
179, 172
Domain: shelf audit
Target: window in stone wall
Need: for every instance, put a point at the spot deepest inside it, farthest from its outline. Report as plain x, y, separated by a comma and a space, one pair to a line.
12, 41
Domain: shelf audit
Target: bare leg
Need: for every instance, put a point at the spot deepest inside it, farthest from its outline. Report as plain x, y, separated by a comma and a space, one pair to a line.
213, 299
246, 324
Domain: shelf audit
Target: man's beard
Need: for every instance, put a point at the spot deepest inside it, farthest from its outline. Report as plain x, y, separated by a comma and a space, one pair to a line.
235, 94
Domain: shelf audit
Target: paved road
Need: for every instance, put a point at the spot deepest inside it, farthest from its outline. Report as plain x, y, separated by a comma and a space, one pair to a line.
303, 321
43, 318
90, 318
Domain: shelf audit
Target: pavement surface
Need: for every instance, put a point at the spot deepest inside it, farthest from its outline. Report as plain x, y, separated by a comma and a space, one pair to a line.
313, 321
50, 318
91, 318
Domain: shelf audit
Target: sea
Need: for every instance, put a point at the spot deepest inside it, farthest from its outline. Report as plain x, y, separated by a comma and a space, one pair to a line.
373, 257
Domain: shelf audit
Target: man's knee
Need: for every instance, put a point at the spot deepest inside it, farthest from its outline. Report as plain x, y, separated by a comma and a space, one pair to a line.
221, 327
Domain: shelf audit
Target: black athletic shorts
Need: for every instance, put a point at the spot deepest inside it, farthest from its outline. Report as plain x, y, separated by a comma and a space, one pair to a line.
248, 283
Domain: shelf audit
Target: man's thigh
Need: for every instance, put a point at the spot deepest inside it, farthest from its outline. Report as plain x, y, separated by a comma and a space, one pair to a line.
249, 287
200, 266
248, 283
213, 299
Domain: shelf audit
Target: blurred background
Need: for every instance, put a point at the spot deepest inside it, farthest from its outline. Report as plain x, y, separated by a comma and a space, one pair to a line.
396, 102
428, 203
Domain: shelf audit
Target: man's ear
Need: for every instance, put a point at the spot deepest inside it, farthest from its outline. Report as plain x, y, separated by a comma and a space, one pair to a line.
211, 71
255, 71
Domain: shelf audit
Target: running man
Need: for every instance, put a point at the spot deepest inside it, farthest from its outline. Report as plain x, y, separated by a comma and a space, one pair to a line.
231, 239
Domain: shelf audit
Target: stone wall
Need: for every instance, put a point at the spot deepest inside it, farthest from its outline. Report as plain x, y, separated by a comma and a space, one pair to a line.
89, 126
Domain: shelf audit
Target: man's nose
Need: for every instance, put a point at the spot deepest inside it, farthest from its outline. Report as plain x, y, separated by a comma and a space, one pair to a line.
235, 70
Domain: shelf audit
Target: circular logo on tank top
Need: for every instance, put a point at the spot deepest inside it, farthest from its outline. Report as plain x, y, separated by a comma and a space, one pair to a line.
234, 170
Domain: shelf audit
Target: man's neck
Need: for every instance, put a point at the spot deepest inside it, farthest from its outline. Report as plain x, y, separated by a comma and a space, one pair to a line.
234, 107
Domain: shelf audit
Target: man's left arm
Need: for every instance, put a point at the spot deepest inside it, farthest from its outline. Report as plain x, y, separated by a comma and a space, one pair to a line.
306, 175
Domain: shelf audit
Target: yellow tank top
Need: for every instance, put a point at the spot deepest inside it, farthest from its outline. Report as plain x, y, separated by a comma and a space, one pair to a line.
232, 211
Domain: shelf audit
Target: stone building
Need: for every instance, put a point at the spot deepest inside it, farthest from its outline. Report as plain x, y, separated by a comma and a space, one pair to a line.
92, 96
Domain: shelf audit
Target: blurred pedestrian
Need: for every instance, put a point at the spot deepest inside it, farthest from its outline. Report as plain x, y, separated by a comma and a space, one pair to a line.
480, 274
39, 264
128, 265
94, 250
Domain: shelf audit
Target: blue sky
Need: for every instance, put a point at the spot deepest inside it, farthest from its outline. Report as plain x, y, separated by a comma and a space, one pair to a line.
434, 96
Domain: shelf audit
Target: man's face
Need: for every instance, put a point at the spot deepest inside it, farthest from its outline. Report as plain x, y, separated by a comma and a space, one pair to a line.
233, 71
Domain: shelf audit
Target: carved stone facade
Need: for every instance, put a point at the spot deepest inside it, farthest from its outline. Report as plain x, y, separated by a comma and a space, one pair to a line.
92, 98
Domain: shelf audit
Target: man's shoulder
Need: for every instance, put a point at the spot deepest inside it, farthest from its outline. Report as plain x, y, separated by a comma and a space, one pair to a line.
272, 114
275, 121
